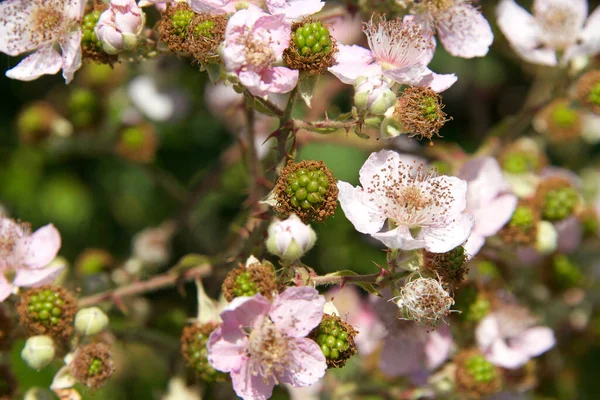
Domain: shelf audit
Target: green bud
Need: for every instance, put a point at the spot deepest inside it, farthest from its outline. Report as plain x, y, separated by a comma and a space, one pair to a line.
90, 321
38, 352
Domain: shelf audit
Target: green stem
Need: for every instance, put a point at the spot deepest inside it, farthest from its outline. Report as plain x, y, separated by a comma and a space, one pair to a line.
377, 278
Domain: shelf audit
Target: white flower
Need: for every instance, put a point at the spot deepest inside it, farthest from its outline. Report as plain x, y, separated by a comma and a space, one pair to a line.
461, 27
290, 239
424, 210
556, 25
42, 26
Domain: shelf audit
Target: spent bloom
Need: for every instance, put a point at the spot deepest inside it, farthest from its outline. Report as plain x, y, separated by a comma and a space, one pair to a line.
26, 254
461, 27
423, 210
555, 26
398, 50
254, 42
262, 344
487, 199
509, 337
42, 27
119, 26
291, 238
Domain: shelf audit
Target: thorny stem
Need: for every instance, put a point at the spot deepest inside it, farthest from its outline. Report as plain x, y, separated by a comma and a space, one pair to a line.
151, 285
285, 127
325, 127
378, 278
254, 167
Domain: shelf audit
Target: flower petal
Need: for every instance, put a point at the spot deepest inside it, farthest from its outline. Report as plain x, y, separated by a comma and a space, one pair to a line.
306, 364
487, 332
437, 347
502, 355
71, 54
589, 38
44, 246
399, 238
360, 209
534, 341
227, 349
37, 277
464, 31
251, 386
353, 62
441, 82
485, 181
5, 288
15, 40
297, 310
244, 312
474, 244
491, 218
45, 61
570, 234
441, 239
294, 9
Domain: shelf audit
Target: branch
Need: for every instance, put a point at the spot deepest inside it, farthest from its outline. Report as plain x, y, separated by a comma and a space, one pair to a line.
151, 285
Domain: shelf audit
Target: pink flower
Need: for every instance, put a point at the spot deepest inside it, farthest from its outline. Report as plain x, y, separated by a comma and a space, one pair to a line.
509, 338
398, 50
487, 199
294, 9
119, 26
423, 210
254, 42
556, 25
26, 255
409, 349
462, 29
42, 26
262, 344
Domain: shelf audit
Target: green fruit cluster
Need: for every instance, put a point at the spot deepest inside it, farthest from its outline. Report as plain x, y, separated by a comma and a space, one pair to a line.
244, 286
306, 189
95, 367
594, 95
566, 272
519, 163
312, 38
332, 338
430, 108
45, 307
181, 20
481, 369
88, 29
522, 218
204, 28
560, 203
197, 357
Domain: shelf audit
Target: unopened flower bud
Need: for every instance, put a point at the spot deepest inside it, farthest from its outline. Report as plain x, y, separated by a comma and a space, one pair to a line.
39, 351
90, 321
547, 238
373, 94
119, 26
290, 239
37, 393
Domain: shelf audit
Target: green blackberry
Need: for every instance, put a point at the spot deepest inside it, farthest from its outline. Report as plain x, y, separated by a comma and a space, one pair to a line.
93, 365
312, 38
181, 20
250, 280
193, 349
307, 189
560, 203
449, 266
481, 369
522, 218
244, 286
563, 116
594, 94
205, 28
519, 163
566, 273
88, 26
48, 310
336, 339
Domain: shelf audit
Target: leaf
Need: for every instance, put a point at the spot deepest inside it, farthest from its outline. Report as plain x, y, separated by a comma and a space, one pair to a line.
214, 71
190, 261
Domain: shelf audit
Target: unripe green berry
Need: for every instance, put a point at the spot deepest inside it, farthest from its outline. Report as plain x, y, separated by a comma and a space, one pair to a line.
563, 116
181, 20
566, 273
45, 307
594, 95
307, 188
519, 163
560, 203
244, 286
481, 369
193, 346
38, 352
312, 38
336, 340
522, 218
204, 28
430, 108
87, 28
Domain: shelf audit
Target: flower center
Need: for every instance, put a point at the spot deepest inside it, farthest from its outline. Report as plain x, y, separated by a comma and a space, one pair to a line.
559, 25
413, 198
439, 5
48, 21
258, 51
268, 350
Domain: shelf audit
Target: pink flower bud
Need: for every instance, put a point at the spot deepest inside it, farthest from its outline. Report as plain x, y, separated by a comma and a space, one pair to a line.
119, 26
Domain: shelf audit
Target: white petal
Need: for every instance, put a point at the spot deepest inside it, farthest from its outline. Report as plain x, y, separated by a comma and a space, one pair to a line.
578, 8
441, 82
44, 246
387, 160
444, 238
490, 218
474, 244
71, 54
37, 277
45, 61
464, 31
15, 30
359, 209
502, 355
589, 38
399, 238
487, 332
535, 341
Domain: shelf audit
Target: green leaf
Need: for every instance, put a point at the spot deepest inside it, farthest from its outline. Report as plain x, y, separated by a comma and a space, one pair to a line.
190, 261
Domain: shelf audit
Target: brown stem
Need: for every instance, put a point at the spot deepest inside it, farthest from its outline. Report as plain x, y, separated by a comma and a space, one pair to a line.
340, 280
151, 285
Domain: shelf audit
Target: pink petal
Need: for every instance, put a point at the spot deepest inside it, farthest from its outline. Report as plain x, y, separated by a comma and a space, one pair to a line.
45, 61
71, 54
485, 180
37, 277
363, 213
280, 79
501, 355
487, 332
244, 312
250, 386
293, 9
491, 218
401, 356
297, 310
377, 161
464, 31
212, 6
44, 246
227, 350
414, 75
570, 234
437, 347
441, 239
5, 288
352, 62
74, 9
535, 341
441, 82
14, 41
474, 244
399, 238
306, 364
